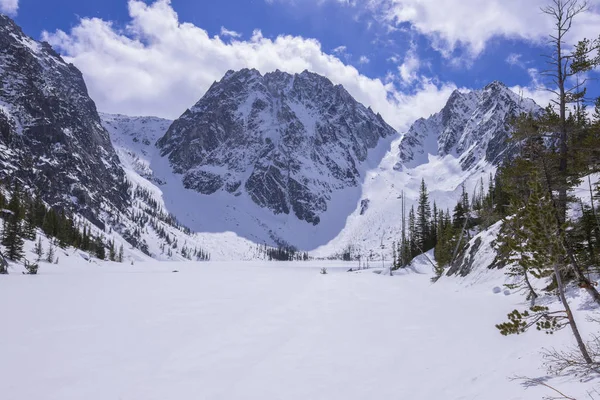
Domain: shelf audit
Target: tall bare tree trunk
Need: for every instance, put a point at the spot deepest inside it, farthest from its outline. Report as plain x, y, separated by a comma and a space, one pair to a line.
572, 323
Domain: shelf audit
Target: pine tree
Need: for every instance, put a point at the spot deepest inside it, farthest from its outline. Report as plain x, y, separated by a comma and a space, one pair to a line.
516, 248
120, 256
12, 237
50, 224
50, 252
445, 246
112, 254
63, 230
100, 249
434, 225
29, 231
38, 249
412, 234
465, 199
545, 250
39, 211
85, 240
459, 216
423, 217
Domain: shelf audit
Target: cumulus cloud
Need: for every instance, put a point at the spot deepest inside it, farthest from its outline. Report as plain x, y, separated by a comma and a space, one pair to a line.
9, 7
472, 23
159, 66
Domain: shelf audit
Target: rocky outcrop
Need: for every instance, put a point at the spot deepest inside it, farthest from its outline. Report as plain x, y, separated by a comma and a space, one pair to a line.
50, 133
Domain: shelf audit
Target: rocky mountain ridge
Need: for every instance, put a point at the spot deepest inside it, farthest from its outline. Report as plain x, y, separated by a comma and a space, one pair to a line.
472, 126
50, 132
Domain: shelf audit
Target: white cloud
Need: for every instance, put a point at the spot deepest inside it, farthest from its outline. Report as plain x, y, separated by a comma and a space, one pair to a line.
340, 50
515, 59
410, 66
472, 23
9, 7
539, 94
160, 66
364, 60
227, 32
536, 89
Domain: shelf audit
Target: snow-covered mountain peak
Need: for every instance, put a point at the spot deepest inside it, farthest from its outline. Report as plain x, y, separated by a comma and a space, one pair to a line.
472, 126
286, 141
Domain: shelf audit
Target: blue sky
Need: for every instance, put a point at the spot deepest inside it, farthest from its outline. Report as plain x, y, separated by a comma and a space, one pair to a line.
399, 56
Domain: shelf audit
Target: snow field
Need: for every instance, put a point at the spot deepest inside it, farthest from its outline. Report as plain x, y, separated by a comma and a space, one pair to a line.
253, 330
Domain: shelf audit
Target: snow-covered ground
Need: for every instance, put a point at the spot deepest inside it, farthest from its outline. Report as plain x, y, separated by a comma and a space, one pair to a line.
254, 330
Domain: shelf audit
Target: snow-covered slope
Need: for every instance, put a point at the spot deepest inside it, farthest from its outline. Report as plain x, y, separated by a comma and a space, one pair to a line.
372, 230
134, 140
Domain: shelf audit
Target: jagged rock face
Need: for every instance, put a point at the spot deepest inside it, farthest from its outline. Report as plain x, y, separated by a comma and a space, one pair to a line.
472, 126
479, 253
50, 132
288, 141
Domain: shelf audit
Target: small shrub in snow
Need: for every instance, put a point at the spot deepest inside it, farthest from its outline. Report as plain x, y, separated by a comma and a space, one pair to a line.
323, 271
32, 268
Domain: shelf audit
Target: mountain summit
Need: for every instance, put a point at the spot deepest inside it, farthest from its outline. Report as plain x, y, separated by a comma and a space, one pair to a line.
287, 141
472, 126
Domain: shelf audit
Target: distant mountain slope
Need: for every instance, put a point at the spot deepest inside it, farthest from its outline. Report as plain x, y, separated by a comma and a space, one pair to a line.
472, 126
134, 139
288, 141
50, 132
